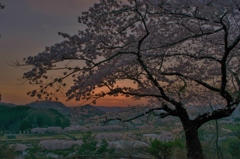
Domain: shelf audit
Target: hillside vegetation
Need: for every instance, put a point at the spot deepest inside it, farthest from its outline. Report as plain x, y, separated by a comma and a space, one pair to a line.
21, 118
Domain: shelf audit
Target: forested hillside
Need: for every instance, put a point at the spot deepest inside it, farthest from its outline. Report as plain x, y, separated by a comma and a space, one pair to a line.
22, 118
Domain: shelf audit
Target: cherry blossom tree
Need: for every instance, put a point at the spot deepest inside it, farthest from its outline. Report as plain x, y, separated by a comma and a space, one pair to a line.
109, 136
58, 144
76, 128
181, 55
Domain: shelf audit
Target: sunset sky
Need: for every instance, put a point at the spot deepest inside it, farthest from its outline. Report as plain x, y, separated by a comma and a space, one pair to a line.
27, 27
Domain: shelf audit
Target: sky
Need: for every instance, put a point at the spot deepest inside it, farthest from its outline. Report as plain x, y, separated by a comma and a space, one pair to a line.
26, 28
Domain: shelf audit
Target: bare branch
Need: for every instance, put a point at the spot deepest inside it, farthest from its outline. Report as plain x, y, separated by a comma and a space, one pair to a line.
164, 107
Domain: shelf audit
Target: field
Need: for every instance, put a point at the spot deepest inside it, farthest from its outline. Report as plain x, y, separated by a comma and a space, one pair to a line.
223, 135
49, 131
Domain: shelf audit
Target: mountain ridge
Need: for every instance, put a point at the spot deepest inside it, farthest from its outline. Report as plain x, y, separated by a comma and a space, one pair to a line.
97, 109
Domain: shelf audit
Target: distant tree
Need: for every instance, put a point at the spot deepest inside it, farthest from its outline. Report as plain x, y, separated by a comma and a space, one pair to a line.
131, 148
234, 148
163, 150
234, 145
180, 55
25, 124
57, 144
35, 152
89, 146
6, 151
1, 134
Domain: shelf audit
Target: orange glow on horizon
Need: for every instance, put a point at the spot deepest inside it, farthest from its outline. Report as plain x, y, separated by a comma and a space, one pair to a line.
17, 95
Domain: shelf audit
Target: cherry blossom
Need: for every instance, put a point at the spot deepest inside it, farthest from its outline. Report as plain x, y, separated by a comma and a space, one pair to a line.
57, 144
176, 54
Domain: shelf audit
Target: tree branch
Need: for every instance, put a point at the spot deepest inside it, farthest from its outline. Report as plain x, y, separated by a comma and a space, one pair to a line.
184, 39
216, 114
164, 107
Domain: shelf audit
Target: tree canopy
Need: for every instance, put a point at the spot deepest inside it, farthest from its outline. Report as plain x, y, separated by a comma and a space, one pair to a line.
178, 54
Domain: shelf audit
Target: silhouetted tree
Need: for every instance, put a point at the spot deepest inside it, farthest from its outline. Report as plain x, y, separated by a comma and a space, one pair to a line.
181, 55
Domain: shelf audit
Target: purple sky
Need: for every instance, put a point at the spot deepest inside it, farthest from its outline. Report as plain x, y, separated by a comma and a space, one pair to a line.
27, 27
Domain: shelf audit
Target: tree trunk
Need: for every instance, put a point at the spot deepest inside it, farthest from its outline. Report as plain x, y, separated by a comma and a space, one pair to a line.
193, 145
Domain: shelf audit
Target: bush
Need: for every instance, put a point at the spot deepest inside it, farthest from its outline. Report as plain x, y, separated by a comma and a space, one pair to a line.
163, 150
234, 148
7, 152
90, 146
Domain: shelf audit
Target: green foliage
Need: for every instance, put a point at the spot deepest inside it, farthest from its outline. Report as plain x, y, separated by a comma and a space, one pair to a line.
234, 145
40, 121
64, 153
103, 149
89, 146
11, 117
7, 152
25, 124
21, 118
1, 134
35, 152
234, 148
42, 117
163, 150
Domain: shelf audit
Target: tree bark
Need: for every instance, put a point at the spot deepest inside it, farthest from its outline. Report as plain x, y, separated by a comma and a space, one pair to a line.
193, 145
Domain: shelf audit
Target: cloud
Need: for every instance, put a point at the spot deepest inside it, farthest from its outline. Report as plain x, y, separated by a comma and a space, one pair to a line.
60, 7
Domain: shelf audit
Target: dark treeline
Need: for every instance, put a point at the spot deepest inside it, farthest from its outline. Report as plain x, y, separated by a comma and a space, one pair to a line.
21, 118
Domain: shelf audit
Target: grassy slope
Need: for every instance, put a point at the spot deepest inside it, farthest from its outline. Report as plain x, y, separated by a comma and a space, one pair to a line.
24, 118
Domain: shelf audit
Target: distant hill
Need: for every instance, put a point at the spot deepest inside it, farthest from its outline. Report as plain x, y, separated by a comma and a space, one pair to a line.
24, 118
76, 114
87, 111
109, 109
84, 111
8, 104
50, 104
65, 109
